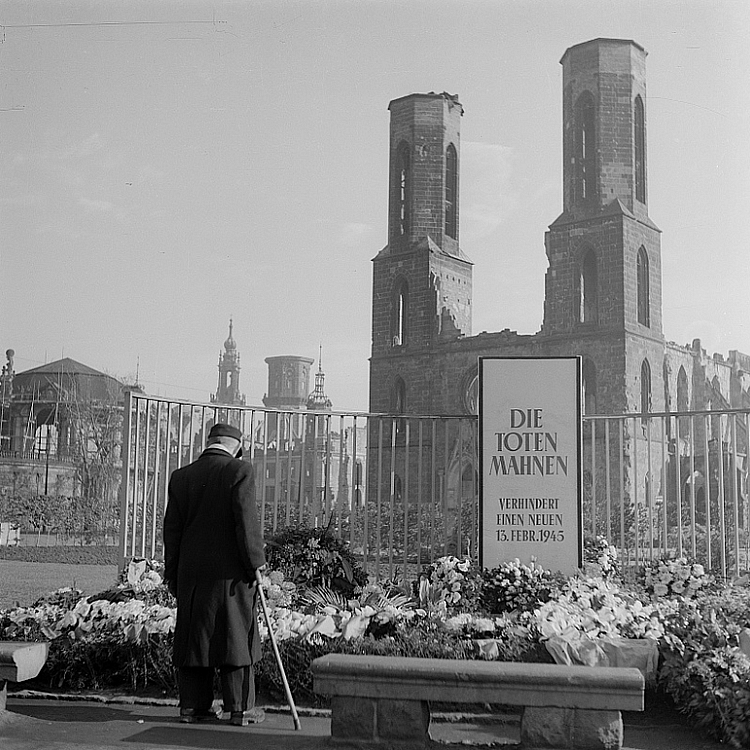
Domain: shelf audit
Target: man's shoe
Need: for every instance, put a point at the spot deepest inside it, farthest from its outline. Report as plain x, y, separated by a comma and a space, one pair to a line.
193, 716
244, 718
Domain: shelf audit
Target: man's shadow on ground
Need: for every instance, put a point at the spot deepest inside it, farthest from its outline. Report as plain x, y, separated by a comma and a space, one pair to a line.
166, 729
225, 739
72, 712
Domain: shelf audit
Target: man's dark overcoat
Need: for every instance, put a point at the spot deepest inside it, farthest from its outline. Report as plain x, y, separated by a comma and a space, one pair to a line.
213, 544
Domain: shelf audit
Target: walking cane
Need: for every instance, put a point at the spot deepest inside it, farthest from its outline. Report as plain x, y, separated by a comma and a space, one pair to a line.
288, 692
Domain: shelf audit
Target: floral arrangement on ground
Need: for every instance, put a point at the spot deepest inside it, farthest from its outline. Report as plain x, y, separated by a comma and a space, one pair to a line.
688, 633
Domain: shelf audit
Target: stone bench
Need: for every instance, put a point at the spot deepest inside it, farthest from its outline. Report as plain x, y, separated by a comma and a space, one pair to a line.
19, 661
386, 699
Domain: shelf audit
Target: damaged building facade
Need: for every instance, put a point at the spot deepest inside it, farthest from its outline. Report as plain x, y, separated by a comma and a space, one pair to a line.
60, 445
603, 285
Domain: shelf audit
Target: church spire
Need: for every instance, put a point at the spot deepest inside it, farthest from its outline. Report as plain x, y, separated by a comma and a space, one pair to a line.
318, 401
228, 390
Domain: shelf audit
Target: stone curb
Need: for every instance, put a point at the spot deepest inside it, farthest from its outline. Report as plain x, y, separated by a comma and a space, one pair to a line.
448, 717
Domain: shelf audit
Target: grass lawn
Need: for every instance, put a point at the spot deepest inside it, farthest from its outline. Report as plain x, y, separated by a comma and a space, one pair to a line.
24, 582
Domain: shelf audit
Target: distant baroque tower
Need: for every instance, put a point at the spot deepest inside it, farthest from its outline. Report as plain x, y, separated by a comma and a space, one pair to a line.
228, 390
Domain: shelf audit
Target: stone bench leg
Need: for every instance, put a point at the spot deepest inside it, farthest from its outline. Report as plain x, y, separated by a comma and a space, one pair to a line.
375, 719
19, 661
582, 729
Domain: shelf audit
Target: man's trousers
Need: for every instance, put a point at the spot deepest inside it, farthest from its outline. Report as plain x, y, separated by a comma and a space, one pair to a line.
196, 686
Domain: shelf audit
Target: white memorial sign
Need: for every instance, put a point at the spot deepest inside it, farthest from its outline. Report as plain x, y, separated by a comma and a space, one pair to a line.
530, 466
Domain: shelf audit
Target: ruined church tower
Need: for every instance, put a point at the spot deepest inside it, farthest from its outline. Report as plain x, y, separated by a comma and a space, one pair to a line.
603, 292
421, 280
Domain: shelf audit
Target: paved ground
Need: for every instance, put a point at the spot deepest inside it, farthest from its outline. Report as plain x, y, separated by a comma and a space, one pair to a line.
33, 724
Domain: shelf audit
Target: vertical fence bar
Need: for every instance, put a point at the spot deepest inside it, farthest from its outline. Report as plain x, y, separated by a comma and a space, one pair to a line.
314, 495
264, 470
378, 513
405, 497
303, 469
154, 508
678, 484
693, 540
136, 472
289, 442
144, 499
608, 483
276, 481
651, 494
593, 478
362, 480
327, 473
391, 496
191, 437
460, 488
202, 442
180, 434
125, 482
707, 490
635, 486
338, 502
433, 498
475, 491
446, 468
746, 488
167, 454
420, 467
722, 501
664, 488
353, 504
735, 496
621, 466
248, 455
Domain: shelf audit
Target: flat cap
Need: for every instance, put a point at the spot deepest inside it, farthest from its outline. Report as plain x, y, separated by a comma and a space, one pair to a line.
225, 430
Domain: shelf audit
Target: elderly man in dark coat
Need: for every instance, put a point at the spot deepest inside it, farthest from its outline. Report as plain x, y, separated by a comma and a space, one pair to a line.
213, 544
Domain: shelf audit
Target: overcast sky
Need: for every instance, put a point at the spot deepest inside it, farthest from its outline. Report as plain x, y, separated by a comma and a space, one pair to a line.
167, 165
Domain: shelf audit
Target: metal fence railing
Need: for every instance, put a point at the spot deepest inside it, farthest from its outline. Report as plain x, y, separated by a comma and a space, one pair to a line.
672, 484
403, 490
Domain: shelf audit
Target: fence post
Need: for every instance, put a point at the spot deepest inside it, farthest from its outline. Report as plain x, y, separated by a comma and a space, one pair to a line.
125, 481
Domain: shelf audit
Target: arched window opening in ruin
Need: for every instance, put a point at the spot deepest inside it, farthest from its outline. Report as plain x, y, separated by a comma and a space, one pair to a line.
585, 147
639, 141
588, 295
589, 387
398, 396
644, 307
398, 405
717, 402
403, 182
645, 387
451, 192
399, 313
469, 482
46, 439
683, 403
